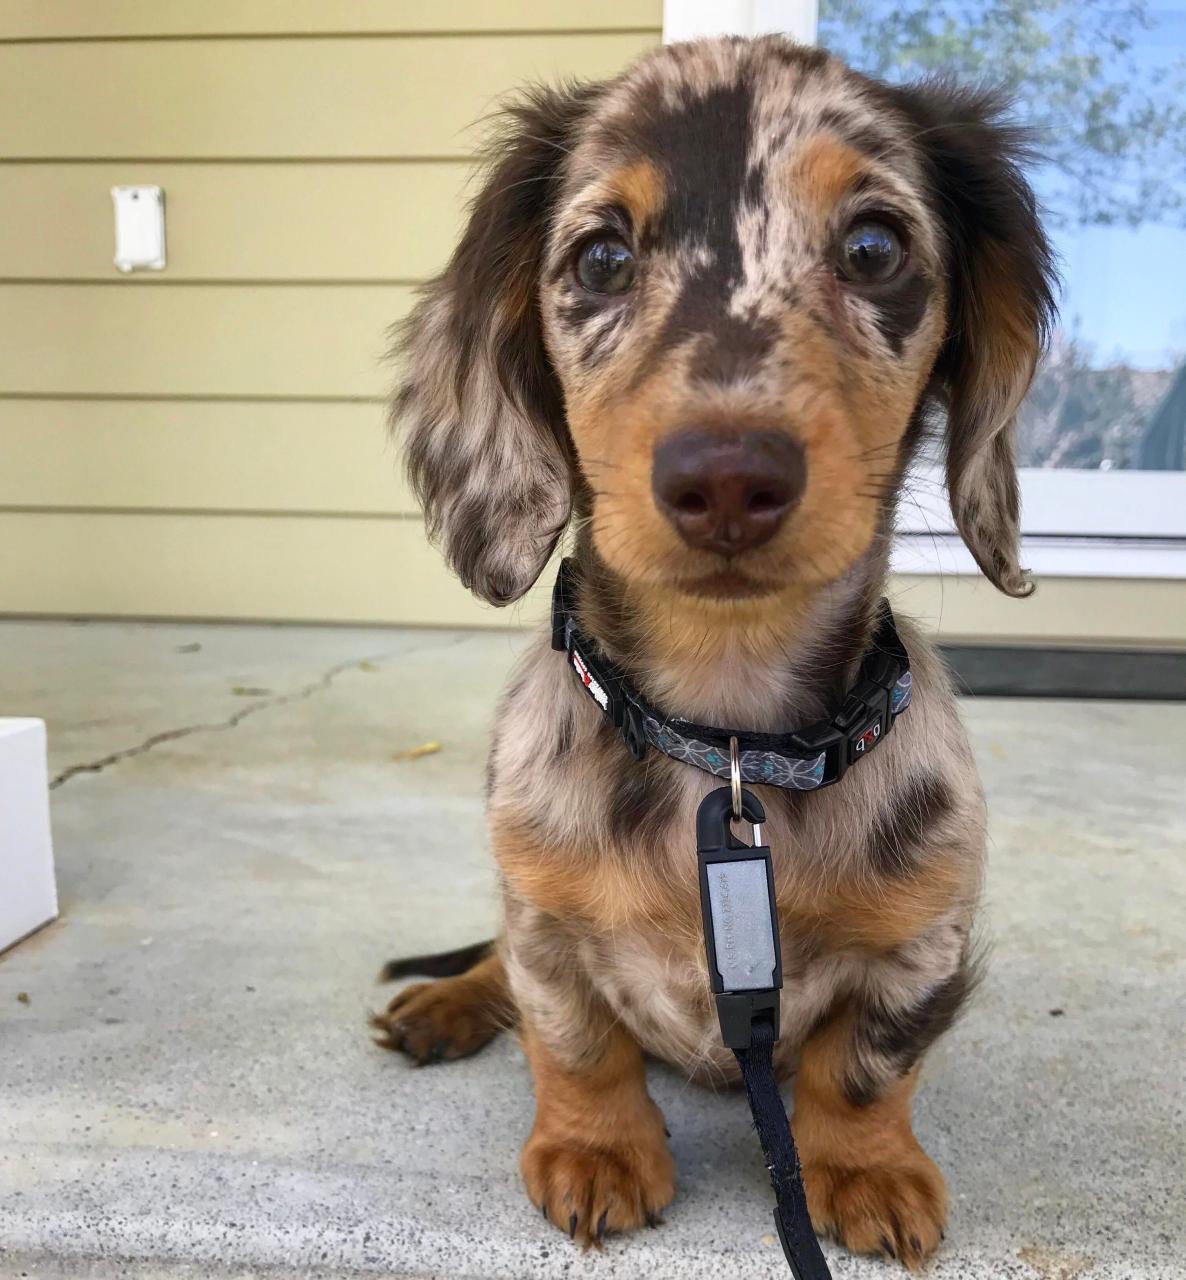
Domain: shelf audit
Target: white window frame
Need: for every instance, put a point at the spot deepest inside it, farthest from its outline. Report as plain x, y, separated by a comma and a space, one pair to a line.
691, 19
1114, 524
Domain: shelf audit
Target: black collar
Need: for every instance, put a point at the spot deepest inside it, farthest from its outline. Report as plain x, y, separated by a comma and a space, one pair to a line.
812, 757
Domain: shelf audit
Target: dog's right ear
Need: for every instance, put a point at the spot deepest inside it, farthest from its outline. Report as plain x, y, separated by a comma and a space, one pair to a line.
1002, 282
487, 447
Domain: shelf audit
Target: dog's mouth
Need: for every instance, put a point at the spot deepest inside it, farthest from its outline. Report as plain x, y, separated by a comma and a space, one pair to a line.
726, 584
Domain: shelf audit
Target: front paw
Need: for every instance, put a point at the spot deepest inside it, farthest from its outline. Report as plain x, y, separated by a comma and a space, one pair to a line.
897, 1209
587, 1189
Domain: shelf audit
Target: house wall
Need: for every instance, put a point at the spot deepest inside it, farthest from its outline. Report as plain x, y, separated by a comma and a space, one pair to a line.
208, 441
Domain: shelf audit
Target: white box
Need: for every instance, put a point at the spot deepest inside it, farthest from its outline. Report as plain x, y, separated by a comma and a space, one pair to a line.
28, 895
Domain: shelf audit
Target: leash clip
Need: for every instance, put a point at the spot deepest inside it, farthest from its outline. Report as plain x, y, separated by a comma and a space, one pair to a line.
740, 916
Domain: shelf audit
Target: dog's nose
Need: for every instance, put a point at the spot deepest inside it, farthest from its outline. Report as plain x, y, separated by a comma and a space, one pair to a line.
728, 493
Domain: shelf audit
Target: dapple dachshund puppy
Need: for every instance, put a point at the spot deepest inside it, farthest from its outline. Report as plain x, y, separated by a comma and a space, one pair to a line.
702, 315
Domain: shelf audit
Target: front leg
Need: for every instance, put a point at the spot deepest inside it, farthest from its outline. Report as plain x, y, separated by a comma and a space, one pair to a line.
597, 1159
869, 1183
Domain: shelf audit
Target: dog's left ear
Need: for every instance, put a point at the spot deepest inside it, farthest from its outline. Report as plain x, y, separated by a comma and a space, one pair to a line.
1001, 283
481, 410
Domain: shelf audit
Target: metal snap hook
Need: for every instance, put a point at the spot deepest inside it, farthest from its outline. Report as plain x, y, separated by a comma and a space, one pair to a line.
735, 778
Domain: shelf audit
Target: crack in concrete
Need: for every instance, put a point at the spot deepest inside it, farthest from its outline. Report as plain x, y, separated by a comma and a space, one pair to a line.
219, 726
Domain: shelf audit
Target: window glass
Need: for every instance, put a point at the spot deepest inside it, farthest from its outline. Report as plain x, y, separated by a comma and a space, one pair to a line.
1103, 88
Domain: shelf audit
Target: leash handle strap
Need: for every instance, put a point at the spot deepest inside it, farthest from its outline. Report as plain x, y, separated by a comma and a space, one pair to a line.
791, 1217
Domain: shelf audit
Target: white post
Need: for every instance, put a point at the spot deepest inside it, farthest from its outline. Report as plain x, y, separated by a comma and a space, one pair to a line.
691, 19
28, 894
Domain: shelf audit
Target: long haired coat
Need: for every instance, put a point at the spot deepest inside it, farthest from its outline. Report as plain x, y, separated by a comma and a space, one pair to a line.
702, 316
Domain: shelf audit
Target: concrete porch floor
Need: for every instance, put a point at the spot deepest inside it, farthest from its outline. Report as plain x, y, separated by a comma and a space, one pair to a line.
190, 1089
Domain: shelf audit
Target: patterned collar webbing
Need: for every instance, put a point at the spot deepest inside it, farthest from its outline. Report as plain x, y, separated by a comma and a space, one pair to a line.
815, 756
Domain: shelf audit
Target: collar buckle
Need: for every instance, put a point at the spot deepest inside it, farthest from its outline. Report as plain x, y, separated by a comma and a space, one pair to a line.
864, 720
853, 732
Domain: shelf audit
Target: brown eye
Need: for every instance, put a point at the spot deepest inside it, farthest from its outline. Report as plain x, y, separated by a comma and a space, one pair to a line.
605, 265
871, 253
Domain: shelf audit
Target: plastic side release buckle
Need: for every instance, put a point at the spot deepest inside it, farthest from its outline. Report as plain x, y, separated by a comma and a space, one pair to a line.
866, 719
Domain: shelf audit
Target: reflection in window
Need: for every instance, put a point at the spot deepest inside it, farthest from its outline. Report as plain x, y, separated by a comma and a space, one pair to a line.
1102, 83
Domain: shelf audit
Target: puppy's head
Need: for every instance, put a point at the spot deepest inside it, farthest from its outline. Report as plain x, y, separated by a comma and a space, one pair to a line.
709, 305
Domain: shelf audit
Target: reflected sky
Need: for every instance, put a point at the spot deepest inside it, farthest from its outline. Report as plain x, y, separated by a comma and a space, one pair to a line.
1124, 291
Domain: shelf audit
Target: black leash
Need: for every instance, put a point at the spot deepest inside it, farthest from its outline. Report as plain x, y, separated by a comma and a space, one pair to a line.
745, 967
803, 1254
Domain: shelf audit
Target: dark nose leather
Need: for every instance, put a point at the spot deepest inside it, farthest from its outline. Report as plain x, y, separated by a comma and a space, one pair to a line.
725, 492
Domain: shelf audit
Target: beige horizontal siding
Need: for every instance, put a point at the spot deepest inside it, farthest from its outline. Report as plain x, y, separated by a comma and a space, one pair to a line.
381, 570
90, 19
412, 96
224, 340
209, 441
262, 567
237, 221
1061, 611
228, 459
199, 456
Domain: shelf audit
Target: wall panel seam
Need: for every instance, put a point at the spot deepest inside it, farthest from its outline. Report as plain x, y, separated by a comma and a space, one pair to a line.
203, 398
262, 282
269, 513
459, 158
464, 33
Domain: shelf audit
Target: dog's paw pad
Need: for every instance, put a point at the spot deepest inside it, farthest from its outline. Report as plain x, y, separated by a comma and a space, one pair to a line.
588, 1191
895, 1210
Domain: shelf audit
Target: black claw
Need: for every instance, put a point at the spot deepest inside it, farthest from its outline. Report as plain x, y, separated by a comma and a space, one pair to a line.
652, 1220
887, 1247
572, 1227
667, 1131
601, 1226
544, 1208
439, 1049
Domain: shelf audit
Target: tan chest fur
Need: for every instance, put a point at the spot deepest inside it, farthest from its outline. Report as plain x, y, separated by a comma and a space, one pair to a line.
659, 988
827, 899
639, 937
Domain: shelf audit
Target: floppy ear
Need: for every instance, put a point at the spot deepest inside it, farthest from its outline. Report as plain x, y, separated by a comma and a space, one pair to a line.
1001, 282
486, 445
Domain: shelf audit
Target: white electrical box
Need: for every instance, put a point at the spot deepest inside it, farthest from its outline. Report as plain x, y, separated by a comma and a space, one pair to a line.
139, 228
